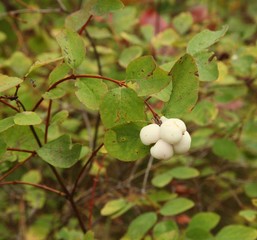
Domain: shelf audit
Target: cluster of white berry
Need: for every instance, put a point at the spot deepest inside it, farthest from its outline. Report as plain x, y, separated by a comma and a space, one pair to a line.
169, 138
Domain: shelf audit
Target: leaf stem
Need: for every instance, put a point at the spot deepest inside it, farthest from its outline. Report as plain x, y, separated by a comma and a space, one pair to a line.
21, 150
48, 120
9, 105
85, 25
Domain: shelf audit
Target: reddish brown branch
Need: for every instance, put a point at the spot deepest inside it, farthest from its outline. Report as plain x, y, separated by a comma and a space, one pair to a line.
80, 31
20, 150
9, 105
84, 168
48, 119
15, 167
155, 115
44, 187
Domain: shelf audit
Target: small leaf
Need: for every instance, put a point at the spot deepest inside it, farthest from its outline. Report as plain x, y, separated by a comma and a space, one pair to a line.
72, 46
141, 225
60, 152
147, 77
164, 94
204, 220
129, 54
183, 22
7, 82
165, 230
59, 117
27, 118
176, 206
226, 149
90, 92
89, 235
249, 215
207, 67
41, 63
120, 106
102, 7
185, 87
237, 232
198, 234
184, 172
54, 93
205, 39
162, 179
58, 73
251, 189
123, 142
113, 206
6, 123
32, 176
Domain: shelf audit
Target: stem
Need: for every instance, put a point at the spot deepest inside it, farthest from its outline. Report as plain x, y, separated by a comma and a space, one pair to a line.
15, 167
147, 171
155, 115
74, 77
48, 119
44, 187
84, 26
20, 150
9, 105
84, 168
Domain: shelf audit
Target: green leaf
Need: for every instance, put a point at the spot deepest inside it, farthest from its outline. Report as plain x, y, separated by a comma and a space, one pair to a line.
185, 87
204, 113
41, 63
59, 117
27, 118
89, 236
184, 172
54, 93
249, 215
113, 206
120, 106
198, 234
204, 220
72, 46
162, 179
183, 22
237, 232
176, 206
128, 206
147, 78
58, 73
3, 147
165, 38
6, 123
103, 7
141, 225
164, 94
207, 67
161, 195
60, 152
7, 82
251, 189
123, 142
129, 54
166, 230
225, 148
90, 92
205, 39
32, 176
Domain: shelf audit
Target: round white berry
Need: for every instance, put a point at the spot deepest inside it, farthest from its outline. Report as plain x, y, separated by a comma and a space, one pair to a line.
161, 150
180, 124
183, 145
150, 134
163, 119
170, 132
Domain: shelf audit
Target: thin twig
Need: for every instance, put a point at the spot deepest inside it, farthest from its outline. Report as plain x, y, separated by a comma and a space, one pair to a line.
84, 168
44, 187
48, 120
15, 167
9, 105
85, 25
147, 171
21, 150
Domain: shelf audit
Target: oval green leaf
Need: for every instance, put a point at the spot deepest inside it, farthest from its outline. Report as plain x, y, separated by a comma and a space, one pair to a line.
7, 82
27, 118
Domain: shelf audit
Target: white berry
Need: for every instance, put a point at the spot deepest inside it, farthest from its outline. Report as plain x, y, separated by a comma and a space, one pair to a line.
163, 119
170, 132
180, 124
150, 134
161, 150
184, 145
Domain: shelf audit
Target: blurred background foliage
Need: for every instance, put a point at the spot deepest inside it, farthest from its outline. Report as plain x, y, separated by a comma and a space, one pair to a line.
218, 176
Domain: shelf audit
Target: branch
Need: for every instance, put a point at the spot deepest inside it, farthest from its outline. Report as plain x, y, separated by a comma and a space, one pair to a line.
48, 119
21, 150
84, 168
44, 187
84, 26
9, 105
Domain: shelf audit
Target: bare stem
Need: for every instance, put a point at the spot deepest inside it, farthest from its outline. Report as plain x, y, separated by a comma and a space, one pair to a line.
85, 25
9, 105
44, 187
48, 119
20, 150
